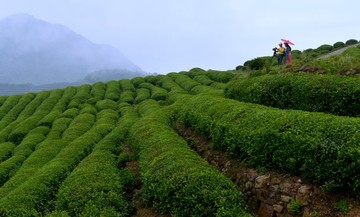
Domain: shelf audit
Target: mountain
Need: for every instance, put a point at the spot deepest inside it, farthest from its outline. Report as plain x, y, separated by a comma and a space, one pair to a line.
37, 52
108, 75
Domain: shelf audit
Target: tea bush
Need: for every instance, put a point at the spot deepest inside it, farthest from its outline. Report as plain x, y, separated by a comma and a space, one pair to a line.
112, 90
141, 95
137, 81
317, 93
97, 92
153, 79
319, 147
9, 103
81, 96
169, 84
203, 79
184, 81
127, 96
106, 104
339, 45
104, 187
351, 42
6, 150
176, 179
157, 93
17, 108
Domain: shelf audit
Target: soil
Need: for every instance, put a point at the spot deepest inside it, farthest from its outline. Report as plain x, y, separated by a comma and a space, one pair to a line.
323, 206
141, 208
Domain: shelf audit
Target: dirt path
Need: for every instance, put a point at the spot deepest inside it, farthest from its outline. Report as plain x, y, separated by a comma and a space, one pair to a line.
141, 209
337, 52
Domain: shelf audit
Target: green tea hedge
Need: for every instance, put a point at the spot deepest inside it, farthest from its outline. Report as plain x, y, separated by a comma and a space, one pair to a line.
318, 93
176, 179
320, 147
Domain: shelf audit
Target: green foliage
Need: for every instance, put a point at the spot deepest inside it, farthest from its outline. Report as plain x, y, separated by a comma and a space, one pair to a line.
317, 93
6, 149
106, 104
21, 152
203, 79
58, 127
2, 100
70, 113
62, 152
169, 84
97, 92
137, 81
296, 54
291, 141
112, 90
10, 102
126, 84
53, 162
153, 79
104, 188
351, 42
141, 95
184, 81
219, 76
197, 70
81, 96
352, 55
87, 108
44, 103
339, 45
295, 207
326, 48
255, 64
127, 96
175, 178
157, 93
239, 67
203, 89
59, 107
80, 125
342, 205
18, 108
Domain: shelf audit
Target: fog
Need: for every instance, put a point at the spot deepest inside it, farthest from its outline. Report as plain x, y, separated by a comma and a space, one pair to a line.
164, 36
37, 52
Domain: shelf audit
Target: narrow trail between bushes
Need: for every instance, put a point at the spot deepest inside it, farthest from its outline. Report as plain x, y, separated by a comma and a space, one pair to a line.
337, 52
141, 209
274, 194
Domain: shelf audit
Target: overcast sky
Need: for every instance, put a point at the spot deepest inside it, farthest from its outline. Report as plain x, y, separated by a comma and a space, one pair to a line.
174, 35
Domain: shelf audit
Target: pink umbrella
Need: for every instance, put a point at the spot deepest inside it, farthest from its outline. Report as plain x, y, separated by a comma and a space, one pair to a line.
287, 41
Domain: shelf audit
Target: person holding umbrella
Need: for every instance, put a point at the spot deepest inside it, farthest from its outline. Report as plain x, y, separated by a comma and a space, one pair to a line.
287, 55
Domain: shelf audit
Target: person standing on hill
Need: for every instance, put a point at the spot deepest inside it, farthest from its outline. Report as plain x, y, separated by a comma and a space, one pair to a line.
288, 57
280, 54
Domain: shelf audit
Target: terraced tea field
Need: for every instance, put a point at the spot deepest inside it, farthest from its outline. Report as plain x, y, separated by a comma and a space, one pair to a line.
64, 152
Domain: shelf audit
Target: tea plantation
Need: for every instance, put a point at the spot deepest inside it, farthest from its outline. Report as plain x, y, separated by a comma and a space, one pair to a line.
62, 152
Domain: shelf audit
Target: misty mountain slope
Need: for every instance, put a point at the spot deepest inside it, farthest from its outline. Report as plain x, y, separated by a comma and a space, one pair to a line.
37, 52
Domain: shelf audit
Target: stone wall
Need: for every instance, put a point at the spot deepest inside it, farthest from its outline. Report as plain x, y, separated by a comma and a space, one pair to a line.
273, 194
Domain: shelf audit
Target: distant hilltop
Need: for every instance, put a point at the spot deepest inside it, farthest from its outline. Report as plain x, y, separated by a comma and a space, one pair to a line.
36, 52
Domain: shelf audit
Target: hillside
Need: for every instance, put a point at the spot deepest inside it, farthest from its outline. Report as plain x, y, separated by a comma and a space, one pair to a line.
36, 52
117, 148
340, 58
339, 51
